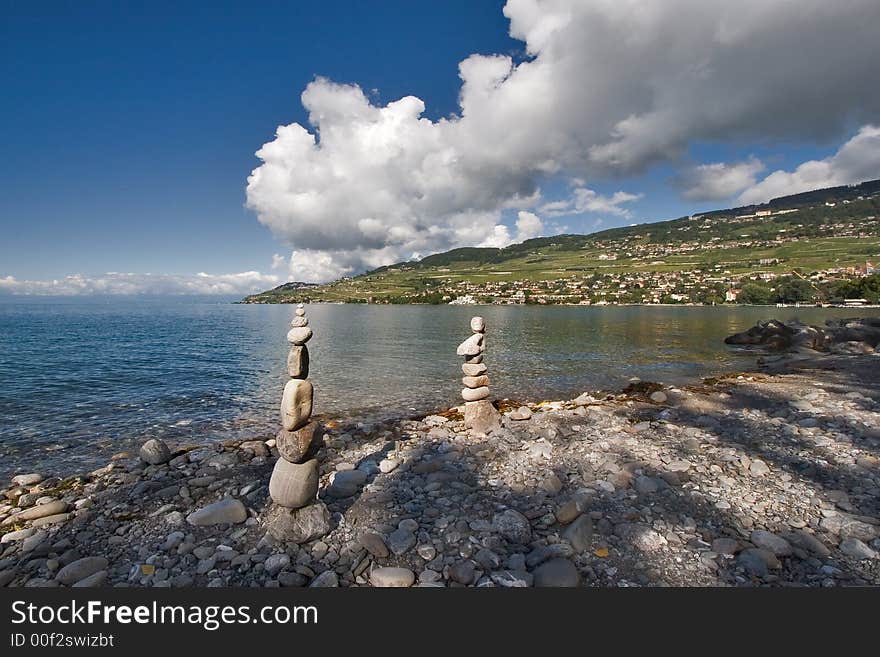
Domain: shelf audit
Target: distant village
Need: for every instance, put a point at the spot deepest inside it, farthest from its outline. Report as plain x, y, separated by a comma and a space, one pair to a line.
694, 287
698, 286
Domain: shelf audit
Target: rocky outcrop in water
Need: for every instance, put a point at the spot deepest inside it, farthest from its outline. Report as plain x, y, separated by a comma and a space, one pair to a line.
842, 336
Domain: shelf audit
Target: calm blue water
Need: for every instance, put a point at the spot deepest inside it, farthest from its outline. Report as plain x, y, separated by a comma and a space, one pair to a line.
80, 380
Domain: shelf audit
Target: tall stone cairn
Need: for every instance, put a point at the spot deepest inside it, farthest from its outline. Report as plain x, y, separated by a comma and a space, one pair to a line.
294, 482
479, 413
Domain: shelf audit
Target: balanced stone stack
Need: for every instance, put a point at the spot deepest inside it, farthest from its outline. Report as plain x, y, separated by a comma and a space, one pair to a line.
479, 413
294, 481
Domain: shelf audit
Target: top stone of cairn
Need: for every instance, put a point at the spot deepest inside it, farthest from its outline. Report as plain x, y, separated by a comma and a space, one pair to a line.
300, 310
478, 325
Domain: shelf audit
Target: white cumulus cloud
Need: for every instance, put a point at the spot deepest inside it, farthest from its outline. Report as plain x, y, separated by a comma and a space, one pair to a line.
605, 89
117, 283
856, 161
718, 180
585, 200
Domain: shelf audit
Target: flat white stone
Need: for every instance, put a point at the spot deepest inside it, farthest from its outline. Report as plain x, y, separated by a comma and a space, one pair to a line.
474, 394
296, 404
472, 346
299, 335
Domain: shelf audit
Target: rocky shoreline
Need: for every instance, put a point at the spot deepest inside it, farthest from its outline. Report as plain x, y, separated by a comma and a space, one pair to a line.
769, 478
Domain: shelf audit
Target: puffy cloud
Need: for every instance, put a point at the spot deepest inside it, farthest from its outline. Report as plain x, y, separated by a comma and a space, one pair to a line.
606, 89
528, 226
856, 161
719, 180
278, 261
585, 200
159, 284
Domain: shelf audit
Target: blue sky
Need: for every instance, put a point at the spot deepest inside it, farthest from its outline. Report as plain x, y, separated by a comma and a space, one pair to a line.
128, 134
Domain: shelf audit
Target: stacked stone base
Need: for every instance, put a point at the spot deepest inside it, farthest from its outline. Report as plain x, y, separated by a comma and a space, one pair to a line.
481, 416
298, 525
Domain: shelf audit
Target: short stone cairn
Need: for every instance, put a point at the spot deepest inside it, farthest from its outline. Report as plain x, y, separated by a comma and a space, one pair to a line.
294, 482
479, 413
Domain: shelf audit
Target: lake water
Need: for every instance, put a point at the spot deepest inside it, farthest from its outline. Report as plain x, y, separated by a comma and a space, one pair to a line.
80, 380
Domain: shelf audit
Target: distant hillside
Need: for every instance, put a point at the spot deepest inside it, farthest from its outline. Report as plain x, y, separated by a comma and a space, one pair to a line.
811, 231
283, 290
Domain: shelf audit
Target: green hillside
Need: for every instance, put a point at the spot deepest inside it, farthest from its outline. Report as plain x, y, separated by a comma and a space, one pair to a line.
808, 233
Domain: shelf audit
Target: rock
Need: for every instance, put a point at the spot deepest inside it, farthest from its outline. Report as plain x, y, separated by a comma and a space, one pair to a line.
473, 346
478, 324
294, 485
400, 541
40, 511
567, 512
409, 525
298, 525
481, 417
388, 465
392, 577
474, 394
808, 542
767, 541
27, 479
299, 335
275, 563
298, 362
286, 578
646, 485
256, 447
640, 536
580, 533
374, 544
299, 320
426, 551
228, 510
487, 559
758, 468
155, 452
296, 445
853, 547
80, 569
462, 572
346, 484
725, 546
556, 573
327, 579
522, 413
474, 382
300, 310
658, 397
31, 543
20, 535
512, 578
296, 404
753, 562
847, 526
92, 581
473, 369
551, 483
51, 520
513, 526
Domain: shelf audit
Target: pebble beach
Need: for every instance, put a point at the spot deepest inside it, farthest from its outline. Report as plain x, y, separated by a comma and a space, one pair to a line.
763, 478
